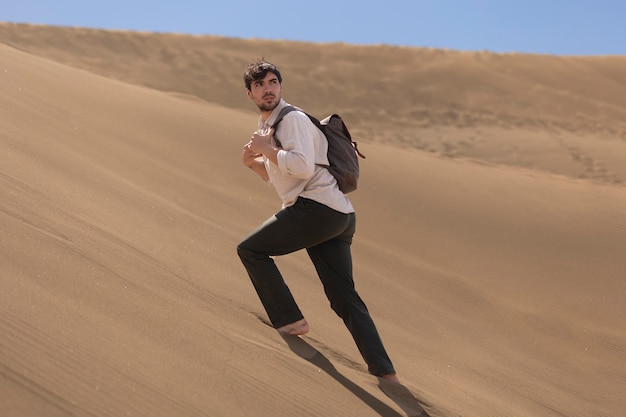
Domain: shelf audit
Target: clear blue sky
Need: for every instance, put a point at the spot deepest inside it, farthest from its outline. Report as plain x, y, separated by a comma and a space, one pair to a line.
563, 27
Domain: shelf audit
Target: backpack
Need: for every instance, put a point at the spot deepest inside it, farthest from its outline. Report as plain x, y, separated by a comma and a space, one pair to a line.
342, 150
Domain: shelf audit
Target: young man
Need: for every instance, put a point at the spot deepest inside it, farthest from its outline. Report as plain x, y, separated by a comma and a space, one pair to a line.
315, 216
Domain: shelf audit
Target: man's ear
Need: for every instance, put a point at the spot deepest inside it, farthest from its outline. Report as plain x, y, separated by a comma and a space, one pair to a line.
249, 94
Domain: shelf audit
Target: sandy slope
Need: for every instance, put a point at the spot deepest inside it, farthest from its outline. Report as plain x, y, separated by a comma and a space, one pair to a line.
499, 290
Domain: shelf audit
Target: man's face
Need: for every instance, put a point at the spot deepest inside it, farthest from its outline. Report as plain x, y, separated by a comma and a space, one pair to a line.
266, 93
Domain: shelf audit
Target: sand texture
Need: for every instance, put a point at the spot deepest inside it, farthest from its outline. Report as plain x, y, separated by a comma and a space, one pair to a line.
491, 243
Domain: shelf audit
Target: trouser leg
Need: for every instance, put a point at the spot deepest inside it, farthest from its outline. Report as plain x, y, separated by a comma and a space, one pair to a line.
256, 253
304, 224
333, 262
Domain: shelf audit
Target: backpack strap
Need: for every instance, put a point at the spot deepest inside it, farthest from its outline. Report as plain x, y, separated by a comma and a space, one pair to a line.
283, 113
288, 109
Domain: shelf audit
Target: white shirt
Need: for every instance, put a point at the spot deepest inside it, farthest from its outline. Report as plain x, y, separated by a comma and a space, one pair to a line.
303, 148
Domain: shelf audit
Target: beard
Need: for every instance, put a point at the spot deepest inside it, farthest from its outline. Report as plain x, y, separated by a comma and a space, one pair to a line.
265, 106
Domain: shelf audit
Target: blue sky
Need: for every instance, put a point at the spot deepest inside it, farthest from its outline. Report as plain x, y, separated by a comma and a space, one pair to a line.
562, 27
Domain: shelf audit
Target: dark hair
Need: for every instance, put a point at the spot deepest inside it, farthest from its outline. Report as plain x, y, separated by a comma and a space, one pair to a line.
257, 70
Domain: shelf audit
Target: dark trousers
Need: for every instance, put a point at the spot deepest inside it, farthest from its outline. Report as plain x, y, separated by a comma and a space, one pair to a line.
326, 234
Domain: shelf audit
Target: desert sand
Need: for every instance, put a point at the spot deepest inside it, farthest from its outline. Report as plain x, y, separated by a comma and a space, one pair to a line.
491, 243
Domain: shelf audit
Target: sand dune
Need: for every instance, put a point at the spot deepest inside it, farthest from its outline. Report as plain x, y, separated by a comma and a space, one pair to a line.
496, 276
565, 115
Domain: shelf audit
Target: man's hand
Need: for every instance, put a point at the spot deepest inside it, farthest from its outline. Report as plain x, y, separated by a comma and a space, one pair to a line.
261, 144
249, 156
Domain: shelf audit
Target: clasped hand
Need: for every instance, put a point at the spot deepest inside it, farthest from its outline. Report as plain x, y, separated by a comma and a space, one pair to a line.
258, 145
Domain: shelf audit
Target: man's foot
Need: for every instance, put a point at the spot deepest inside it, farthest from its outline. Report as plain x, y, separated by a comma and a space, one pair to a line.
391, 378
297, 328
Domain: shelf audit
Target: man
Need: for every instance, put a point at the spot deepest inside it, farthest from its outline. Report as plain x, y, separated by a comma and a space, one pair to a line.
315, 216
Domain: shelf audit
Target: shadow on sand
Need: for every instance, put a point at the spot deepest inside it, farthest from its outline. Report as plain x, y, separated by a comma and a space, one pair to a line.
396, 392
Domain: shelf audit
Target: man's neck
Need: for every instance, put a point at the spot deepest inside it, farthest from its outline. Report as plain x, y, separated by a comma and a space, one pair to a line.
265, 114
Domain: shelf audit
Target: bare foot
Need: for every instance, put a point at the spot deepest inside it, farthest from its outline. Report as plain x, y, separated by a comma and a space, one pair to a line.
391, 378
297, 328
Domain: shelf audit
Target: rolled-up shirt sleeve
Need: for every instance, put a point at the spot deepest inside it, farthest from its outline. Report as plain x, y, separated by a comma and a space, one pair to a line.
297, 156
